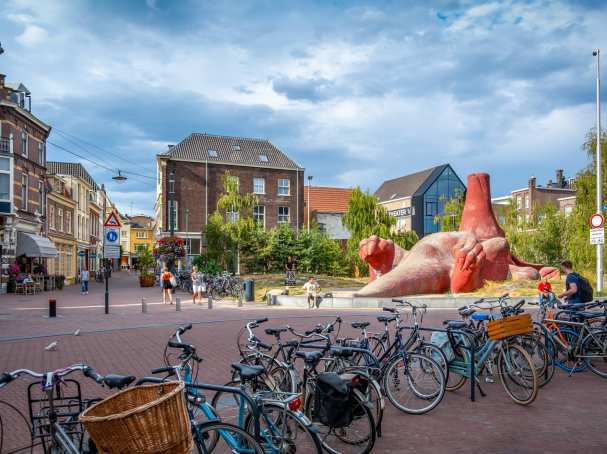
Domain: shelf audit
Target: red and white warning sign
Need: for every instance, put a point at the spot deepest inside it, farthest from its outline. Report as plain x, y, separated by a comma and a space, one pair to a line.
112, 220
597, 220
597, 231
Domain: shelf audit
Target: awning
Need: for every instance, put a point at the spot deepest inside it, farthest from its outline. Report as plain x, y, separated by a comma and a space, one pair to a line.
32, 245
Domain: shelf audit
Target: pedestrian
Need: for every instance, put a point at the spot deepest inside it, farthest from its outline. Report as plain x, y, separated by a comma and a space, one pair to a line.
290, 268
166, 278
546, 293
198, 287
577, 288
84, 279
312, 289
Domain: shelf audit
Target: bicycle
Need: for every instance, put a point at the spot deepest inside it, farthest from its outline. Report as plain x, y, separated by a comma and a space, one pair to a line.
55, 424
285, 428
512, 362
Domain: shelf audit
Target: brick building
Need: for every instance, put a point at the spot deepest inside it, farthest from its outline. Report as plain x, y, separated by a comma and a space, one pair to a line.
197, 165
22, 179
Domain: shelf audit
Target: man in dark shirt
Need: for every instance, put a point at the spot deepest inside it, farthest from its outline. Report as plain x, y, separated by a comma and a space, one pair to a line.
572, 284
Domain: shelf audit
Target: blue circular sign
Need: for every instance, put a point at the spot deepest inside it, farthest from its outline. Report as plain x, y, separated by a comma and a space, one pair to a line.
111, 236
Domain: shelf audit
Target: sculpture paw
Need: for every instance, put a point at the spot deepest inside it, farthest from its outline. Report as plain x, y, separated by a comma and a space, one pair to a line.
377, 252
468, 260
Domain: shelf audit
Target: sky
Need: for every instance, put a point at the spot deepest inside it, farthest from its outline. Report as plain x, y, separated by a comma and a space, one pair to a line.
356, 92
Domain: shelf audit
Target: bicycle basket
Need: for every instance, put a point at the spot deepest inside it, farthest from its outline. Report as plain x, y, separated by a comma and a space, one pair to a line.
142, 419
332, 405
509, 326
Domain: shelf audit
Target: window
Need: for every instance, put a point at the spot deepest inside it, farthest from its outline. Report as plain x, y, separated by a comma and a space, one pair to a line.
68, 221
51, 217
236, 147
283, 215
283, 186
259, 214
259, 185
173, 214
24, 190
78, 227
142, 235
141, 248
263, 158
24, 143
5, 179
568, 210
518, 202
171, 186
527, 201
212, 153
60, 219
431, 208
232, 216
41, 197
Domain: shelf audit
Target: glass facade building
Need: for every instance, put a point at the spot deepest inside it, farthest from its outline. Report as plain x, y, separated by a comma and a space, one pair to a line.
446, 187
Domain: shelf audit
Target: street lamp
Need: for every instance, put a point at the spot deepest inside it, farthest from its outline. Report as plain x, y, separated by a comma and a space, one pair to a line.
309, 190
172, 202
119, 178
599, 179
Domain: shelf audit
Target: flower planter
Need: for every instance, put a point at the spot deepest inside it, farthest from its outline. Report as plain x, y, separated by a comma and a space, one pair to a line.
147, 280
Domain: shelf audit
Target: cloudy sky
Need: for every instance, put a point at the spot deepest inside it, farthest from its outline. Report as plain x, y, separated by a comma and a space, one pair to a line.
356, 92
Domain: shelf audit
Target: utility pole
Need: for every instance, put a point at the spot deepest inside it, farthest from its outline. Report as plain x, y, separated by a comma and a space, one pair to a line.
599, 170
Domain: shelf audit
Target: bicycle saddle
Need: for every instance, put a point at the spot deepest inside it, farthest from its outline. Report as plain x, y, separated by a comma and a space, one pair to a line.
360, 325
275, 331
455, 324
118, 381
248, 372
480, 316
384, 319
309, 357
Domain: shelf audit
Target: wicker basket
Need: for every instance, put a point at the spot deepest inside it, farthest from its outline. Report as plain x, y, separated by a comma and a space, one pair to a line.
142, 419
509, 326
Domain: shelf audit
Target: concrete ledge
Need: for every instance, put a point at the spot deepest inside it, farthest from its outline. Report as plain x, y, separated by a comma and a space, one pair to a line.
432, 301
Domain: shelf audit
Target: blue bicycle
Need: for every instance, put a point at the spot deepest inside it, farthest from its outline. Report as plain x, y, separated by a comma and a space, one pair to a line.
273, 418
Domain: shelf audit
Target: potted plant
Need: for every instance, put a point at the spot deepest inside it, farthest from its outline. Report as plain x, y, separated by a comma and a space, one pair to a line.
145, 263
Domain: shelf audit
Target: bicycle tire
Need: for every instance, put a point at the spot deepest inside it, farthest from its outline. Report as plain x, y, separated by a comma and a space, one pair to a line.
596, 341
429, 367
310, 444
437, 354
521, 374
330, 438
216, 430
542, 359
561, 358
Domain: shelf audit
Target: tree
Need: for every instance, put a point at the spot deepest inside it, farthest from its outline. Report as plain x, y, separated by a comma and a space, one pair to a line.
452, 214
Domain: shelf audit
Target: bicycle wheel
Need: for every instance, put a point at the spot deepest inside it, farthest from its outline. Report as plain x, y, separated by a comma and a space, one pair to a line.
517, 374
357, 438
415, 385
227, 405
541, 358
284, 431
594, 348
562, 358
436, 353
223, 438
374, 398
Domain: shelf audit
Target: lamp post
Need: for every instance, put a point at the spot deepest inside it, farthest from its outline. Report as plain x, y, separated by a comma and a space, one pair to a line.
308, 202
599, 171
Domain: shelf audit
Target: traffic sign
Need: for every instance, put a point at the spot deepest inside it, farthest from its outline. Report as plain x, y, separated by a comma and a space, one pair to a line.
596, 221
111, 236
112, 220
597, 236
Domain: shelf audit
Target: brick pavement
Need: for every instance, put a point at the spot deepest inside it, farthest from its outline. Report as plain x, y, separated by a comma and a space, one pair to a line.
568, 415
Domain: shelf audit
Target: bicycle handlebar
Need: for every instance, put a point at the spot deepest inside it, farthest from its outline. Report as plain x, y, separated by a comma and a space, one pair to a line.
88, 372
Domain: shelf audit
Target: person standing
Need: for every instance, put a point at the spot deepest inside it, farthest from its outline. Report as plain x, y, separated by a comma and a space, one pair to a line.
312, 288
84, 279
165, 279
198, 286
577, 288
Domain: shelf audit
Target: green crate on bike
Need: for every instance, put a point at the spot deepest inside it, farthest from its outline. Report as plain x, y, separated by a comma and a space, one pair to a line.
509, 326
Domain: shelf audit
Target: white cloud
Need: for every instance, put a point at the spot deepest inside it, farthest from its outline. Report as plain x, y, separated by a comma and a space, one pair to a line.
32, 36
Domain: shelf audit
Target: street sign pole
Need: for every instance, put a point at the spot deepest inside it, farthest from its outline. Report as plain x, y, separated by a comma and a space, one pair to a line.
599, 179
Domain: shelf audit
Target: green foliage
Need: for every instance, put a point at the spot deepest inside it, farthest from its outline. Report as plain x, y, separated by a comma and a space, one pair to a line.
206, 265
145, 260
452, 216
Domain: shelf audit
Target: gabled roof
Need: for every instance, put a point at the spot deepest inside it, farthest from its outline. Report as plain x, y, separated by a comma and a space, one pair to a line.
74, 169
408, 185
230, 150
327, 199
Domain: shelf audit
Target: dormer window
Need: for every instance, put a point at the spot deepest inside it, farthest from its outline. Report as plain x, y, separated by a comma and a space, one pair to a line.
263, 158
212, 153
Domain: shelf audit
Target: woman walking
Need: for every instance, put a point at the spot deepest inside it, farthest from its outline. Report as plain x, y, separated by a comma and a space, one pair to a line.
166, 278
197, 285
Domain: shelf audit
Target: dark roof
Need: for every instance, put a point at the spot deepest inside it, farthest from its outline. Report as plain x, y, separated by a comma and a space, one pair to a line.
74, 169
408, 185
230, 150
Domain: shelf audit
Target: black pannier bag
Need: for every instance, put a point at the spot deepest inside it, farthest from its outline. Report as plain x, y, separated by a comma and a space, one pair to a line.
332, 404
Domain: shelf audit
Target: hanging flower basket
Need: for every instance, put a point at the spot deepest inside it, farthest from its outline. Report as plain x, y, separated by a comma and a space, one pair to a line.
169, 248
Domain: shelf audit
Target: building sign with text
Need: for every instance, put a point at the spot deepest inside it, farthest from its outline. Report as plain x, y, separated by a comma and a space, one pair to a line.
402, 212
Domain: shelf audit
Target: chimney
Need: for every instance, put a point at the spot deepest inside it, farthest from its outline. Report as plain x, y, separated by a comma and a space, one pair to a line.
560, 180
532, 182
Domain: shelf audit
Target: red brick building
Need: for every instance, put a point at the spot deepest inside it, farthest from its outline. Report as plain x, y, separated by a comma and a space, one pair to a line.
189, 183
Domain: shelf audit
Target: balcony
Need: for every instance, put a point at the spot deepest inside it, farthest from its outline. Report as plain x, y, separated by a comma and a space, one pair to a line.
5, 145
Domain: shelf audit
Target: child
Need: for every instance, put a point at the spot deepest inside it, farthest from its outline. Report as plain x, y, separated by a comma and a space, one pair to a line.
545, 289
312, 289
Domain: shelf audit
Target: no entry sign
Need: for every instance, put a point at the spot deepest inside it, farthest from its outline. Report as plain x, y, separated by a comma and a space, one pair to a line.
596, 221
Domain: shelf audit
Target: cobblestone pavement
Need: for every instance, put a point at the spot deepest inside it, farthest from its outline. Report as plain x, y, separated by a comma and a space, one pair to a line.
568, 416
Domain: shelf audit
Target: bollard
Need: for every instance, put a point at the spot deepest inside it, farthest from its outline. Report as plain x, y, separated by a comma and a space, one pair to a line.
210, 301
269, 299
144, 306
52, 308
240, 299
178, 304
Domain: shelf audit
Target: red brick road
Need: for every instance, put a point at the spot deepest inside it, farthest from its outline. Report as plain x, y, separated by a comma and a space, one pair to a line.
568, 416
